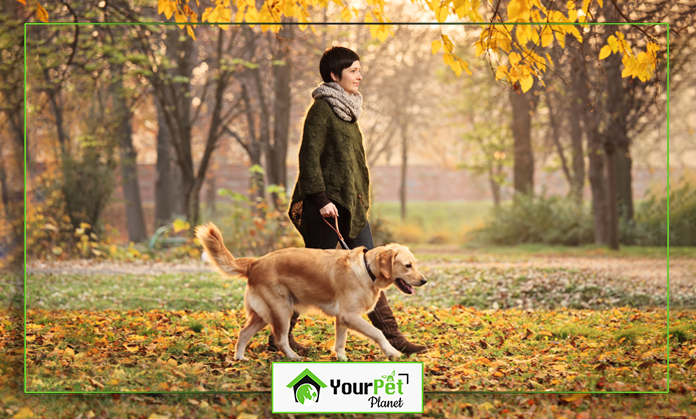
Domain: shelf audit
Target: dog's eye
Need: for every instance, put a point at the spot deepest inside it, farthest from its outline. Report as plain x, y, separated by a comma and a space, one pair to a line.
409, 266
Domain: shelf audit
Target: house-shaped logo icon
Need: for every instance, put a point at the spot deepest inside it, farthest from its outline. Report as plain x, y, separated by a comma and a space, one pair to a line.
306, 387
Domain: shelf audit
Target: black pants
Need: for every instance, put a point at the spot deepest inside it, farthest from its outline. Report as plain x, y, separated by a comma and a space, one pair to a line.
318, 235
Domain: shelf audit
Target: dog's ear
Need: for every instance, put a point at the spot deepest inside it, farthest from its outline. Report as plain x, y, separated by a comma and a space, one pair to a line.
386, 262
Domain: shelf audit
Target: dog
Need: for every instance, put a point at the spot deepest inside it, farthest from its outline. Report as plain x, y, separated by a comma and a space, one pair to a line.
341, 284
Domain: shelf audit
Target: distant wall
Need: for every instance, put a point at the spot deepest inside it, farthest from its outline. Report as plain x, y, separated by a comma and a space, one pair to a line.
425, 183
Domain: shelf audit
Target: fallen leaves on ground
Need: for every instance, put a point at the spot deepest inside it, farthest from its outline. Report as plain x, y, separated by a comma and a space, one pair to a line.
621, 349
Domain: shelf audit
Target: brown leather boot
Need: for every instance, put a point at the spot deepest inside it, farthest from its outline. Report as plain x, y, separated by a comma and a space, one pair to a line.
383, 319
301, 350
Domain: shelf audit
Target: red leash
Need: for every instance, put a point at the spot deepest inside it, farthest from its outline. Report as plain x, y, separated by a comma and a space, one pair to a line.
343, 243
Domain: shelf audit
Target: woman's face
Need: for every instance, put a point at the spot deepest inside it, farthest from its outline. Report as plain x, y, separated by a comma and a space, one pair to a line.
350, 79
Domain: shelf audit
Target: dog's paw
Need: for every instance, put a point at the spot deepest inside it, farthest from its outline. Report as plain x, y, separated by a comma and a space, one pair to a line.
240, 358
342, 357
393, 354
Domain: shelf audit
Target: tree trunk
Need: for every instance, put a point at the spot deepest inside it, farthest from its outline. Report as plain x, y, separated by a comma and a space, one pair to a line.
166, 184
596, 175
495, 186
523, 107
598, 188
404, 168
177, 114
612, 212
211, 193
556, 135
254, 148
577, 106
276, 152
624, 180
135, 220
614, 133
6, 202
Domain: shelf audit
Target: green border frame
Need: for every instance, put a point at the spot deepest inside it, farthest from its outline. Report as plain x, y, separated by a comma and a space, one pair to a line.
372, 412
328, 24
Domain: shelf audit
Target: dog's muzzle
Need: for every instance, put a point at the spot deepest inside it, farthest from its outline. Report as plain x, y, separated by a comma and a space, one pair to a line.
407, 288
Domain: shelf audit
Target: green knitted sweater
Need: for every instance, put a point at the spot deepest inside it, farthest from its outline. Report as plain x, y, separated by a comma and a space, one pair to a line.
332, 159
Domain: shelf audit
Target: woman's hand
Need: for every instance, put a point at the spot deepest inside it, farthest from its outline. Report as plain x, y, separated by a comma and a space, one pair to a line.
329, 210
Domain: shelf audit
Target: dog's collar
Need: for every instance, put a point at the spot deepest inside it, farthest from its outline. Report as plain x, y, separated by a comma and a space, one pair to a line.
369, 271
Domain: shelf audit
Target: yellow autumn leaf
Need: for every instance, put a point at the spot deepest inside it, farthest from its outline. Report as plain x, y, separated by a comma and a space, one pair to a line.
514, 58
169, 10
69, 351
441, 14
436, 45
449, 46
605, 52
23, 413
180, 225
546, 36
157, 415
514, 10
346, 14
382, 34
501, 72
457, 68
465, 66
41, 13
526, 83
575, 396
467, 371
189, 29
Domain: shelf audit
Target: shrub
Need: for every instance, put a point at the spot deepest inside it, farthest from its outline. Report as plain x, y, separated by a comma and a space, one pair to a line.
409, 233
382, 230
650, 225
58, 224
538, 219
255, 227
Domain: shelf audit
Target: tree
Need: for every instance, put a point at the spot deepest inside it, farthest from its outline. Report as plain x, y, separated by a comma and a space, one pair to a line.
523, 107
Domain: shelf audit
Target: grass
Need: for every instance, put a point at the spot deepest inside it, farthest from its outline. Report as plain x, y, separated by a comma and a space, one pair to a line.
481, 287
433, 221
204, 291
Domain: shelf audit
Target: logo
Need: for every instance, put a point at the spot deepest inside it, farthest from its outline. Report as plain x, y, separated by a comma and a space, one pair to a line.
356, 387
306, 387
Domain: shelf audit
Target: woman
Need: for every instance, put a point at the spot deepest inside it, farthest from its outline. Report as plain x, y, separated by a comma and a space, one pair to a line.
333, 179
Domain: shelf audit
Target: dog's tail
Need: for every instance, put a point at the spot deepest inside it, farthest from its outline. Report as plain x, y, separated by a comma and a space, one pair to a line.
211, 239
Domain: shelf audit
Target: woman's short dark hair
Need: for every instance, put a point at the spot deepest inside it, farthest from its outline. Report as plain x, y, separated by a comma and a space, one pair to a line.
335, 60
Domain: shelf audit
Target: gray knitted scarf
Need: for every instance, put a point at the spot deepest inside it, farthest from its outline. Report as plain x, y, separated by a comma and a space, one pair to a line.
346, 106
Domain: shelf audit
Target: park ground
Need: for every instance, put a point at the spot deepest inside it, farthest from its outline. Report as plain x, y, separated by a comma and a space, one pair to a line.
521, 320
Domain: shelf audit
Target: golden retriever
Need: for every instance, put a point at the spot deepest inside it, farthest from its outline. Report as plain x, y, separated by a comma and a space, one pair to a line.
337, 282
